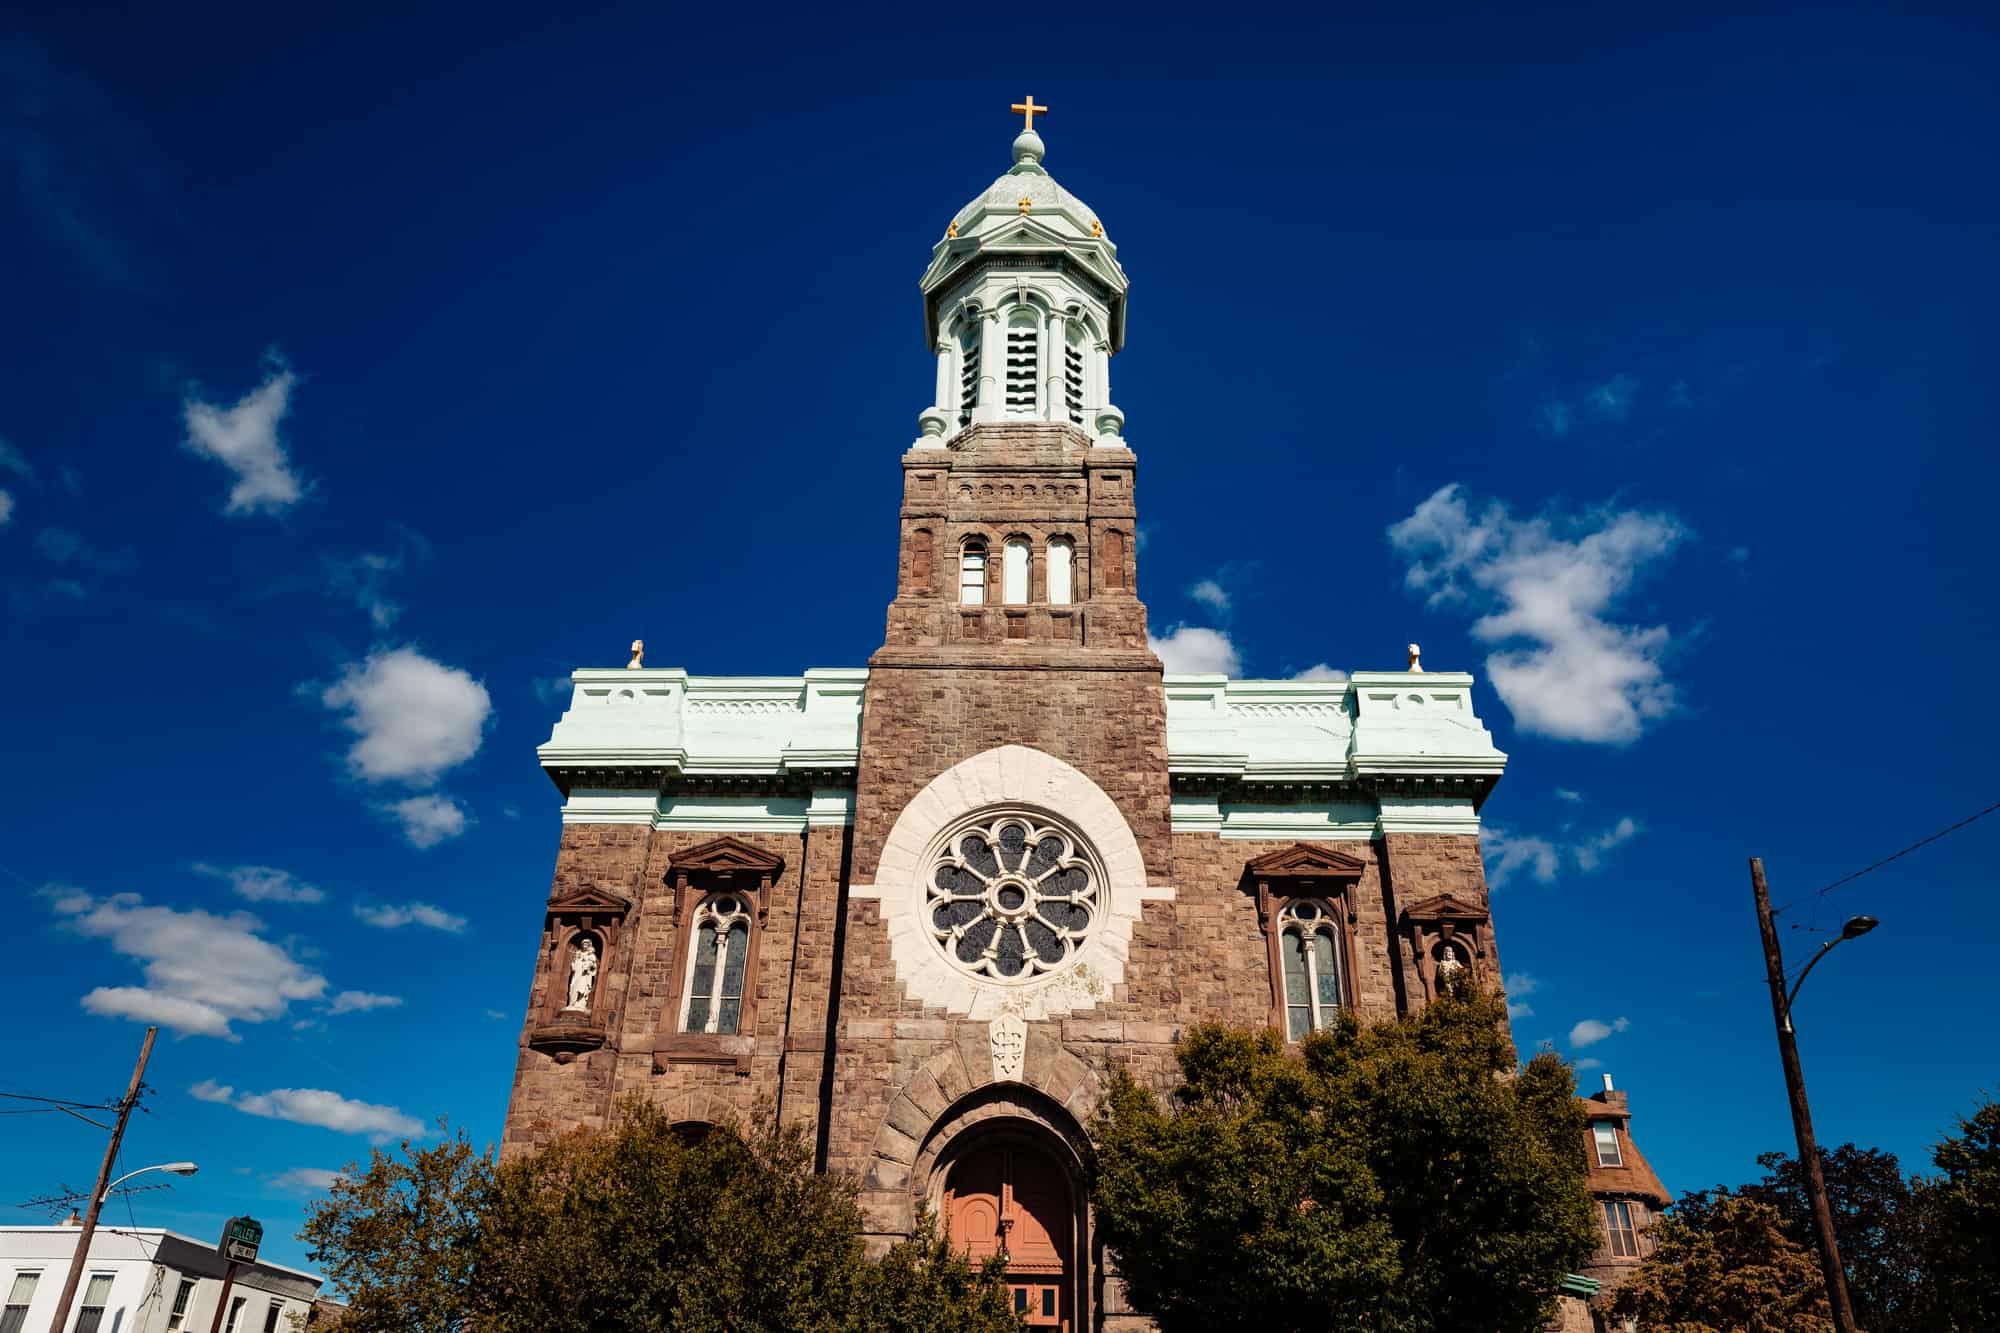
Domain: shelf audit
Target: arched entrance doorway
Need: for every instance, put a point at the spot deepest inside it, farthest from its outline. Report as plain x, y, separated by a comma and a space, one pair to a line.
1009, 1197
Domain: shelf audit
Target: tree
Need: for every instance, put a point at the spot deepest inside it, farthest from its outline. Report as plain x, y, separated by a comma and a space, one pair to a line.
1722, 1263
1398, 1178
1876, 1222
1961, 1209
397, 1238
636, 1229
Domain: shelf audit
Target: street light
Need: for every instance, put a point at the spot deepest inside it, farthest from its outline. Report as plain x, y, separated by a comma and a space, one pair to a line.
177, 1168
1795, 1085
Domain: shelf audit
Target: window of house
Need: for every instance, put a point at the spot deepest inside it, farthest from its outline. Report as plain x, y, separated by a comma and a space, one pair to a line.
19, 1294
1014, 571
1310, 952
96, 1296
1624, 1236
235, 1309
968, 370
715, 978
972, 575
271, 1317
183, 1297
1024, 335
1062, 566
1606, 1135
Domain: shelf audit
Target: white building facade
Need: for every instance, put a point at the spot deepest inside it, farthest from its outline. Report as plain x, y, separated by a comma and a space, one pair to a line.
143, 1280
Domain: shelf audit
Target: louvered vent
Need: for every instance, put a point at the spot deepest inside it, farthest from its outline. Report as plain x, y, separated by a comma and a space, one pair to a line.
1021, 372
1073, 382
968, 380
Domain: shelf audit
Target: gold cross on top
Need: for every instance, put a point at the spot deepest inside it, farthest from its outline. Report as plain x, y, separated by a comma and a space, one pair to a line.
1028, 109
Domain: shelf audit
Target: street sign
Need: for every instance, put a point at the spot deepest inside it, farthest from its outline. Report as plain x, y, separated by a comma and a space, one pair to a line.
240, 1238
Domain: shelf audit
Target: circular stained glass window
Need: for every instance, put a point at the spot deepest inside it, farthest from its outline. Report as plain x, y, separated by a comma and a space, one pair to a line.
1012, 895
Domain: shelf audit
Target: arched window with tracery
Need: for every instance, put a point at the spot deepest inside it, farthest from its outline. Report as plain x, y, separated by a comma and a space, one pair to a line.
714, 997
1309, 946
972, 573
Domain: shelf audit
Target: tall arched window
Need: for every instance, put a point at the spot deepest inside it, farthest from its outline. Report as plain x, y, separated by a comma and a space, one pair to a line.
1310, 948
1014, 571
715, 980
1024, 337
972, 574
1062, 564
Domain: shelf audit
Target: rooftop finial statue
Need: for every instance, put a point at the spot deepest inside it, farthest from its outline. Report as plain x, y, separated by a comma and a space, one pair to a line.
1416, 658
638, 655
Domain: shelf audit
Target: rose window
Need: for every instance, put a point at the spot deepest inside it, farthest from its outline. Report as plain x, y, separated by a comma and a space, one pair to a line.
1012, 896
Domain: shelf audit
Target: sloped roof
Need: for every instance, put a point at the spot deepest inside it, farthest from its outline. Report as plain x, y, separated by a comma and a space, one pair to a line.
1635, 1178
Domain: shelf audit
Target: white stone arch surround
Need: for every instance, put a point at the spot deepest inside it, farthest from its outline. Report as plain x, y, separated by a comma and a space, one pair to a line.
1019, 776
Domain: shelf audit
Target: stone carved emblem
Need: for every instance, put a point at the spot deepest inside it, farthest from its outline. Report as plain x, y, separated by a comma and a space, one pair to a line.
1008, 1035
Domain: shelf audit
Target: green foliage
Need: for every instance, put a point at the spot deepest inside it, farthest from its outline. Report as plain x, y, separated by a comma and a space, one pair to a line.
1725, 1267
397, 1238
635, 1230
1962, 1225
924, 1285
1397, 1178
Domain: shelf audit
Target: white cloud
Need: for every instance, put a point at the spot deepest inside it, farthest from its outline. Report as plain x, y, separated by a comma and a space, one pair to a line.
1591, 1031
14, 461
363, 580
1589, 853
1510, 854
495, 1013
307, 1180
414, 717
361, 1001
1321, 671
1519, 986
1543, 587
1565, 794
1212, 595
244, 439
1519, 1009
6, 508
203, 971
1589, 1062
264, 884
391, 917
1192, 648
316, 1106
427, 820
1609, 401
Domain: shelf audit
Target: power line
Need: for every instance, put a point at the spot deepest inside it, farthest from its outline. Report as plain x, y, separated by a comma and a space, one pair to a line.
60, 1101
1877, 865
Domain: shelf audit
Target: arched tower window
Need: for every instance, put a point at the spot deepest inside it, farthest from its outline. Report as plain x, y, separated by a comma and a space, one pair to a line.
972, 574
1073, 350
1024, 336
968, 368
1014, 571
1310, 948
714, 998
1062, 566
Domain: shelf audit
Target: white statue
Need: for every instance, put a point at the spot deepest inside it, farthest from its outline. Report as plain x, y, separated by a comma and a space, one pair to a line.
582, 975
1449, 966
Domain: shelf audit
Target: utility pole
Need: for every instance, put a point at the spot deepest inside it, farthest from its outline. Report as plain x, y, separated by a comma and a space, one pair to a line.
82, 1259
1795, 1085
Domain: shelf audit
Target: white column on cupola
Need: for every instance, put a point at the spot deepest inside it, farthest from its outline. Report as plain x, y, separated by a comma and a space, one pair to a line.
1053, 343
935, 421
992, 362
947, 376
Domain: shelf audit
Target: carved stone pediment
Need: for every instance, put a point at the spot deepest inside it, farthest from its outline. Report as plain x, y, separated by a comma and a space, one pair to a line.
1306, 860
589, 902
1445, 907
726, 858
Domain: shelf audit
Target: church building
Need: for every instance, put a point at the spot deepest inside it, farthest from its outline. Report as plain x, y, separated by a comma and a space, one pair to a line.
925, 906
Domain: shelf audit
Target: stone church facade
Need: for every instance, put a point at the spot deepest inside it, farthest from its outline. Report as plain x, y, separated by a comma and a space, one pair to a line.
927, 906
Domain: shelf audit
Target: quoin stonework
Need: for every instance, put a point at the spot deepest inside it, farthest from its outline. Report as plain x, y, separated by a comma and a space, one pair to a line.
925, 906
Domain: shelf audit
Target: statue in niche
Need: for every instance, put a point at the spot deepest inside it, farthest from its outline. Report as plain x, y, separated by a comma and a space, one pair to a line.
1449, 966
582, 975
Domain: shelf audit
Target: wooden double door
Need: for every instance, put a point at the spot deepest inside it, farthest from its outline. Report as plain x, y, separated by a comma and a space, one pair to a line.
1015, 1201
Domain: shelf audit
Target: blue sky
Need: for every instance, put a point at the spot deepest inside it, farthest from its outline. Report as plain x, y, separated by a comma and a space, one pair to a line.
366, 372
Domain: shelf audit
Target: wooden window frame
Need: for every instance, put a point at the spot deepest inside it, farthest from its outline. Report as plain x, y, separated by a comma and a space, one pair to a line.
694, 876
1303, 871
1597, 1143
1629, 1247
